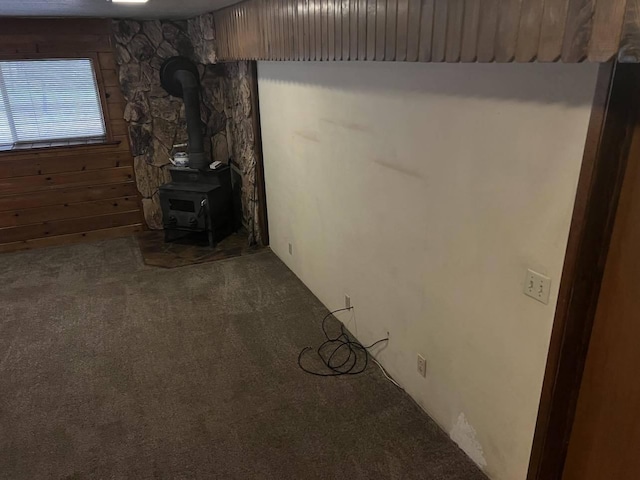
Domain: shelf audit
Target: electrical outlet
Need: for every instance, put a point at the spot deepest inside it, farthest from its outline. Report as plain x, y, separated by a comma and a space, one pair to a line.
347, 301
537, 286
290, 249
422, 366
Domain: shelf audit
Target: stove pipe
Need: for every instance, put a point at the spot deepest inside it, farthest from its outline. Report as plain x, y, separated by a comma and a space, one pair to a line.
179, 77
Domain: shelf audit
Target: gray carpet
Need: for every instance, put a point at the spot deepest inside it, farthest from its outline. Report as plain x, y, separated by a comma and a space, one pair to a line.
110, 369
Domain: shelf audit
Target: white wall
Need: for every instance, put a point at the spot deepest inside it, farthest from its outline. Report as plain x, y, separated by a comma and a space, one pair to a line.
425, 192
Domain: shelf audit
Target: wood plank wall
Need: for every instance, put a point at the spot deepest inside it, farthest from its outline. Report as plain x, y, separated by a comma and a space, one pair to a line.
421, 30
60, 195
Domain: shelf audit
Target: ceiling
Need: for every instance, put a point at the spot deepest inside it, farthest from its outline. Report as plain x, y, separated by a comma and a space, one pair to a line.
104, 8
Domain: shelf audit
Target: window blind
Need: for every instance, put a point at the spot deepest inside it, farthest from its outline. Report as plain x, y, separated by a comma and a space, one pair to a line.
49, 100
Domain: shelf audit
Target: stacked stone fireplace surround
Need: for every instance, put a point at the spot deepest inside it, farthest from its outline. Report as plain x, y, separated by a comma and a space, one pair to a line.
157, 121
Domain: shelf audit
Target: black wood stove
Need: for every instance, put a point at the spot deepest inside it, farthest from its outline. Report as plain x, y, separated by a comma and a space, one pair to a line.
198, 201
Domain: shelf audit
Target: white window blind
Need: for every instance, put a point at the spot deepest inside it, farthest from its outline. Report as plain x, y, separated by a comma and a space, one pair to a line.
49, 100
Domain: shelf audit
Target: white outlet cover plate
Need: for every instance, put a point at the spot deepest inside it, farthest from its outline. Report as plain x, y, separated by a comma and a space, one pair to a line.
422, 365
537, 286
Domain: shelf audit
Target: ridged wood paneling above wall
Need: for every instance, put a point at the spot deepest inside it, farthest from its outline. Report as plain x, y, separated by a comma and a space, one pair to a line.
422, 30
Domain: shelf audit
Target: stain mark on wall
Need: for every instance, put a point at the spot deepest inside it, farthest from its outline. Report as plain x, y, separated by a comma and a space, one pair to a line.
307, 135
353, 126
397, 168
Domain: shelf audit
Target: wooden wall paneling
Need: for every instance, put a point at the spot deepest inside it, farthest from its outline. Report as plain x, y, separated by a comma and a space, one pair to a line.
254, 44
353, 29
413, 30
273, 31
257, 27
323, 29
231, 33
76, 184
240, 39
371, 29
268, 30
426, 30
507, 33
402, 25
110, 78
314, 21
310, 24
33, 165
421, 30
52, 27
338, 28
630, 42
252, 26
233, 52
487, 31
252, 47
554, 16
66, 195
67, 211
390, 30
245, 39
221, 35
346, 30
282, 30
279, 43
362, 29
381, 29
607, 29
318, 20
439, 46
227, 31
529, 30
263, 28
331, 29
62, 227
33, 183
391, 36
288, 29
277, 29
470, 24
236, 30
301, 29
578, 27
297, 32
455, 22
291, 23
81, 237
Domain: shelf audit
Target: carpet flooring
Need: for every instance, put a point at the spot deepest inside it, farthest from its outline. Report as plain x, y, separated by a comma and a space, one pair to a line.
110, 369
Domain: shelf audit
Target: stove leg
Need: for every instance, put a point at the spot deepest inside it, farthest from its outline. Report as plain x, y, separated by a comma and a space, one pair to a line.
212, 242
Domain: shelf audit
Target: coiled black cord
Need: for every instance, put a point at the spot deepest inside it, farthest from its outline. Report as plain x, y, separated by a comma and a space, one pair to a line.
343, 346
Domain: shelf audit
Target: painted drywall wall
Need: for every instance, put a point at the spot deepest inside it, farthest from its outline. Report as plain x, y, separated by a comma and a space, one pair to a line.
425, 192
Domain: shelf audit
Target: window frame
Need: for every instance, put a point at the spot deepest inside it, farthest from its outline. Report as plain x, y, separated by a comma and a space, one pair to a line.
97, 71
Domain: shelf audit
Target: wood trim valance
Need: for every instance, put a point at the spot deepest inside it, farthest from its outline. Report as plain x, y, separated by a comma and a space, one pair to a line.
428, 30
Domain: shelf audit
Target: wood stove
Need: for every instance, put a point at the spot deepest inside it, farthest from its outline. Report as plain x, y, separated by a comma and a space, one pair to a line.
198, 201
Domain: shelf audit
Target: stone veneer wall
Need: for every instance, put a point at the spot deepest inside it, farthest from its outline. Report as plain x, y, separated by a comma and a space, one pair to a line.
241, 140
157, 120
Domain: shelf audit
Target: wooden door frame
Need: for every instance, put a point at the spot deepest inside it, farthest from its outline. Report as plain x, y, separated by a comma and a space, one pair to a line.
613, 119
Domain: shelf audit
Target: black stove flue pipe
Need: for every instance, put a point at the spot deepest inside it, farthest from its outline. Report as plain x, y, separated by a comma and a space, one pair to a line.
179, 77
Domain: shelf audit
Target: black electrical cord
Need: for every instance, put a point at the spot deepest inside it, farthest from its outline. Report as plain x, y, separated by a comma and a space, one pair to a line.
353, 352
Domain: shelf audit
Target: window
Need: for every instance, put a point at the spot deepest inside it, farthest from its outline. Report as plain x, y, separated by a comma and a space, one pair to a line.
49, 102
